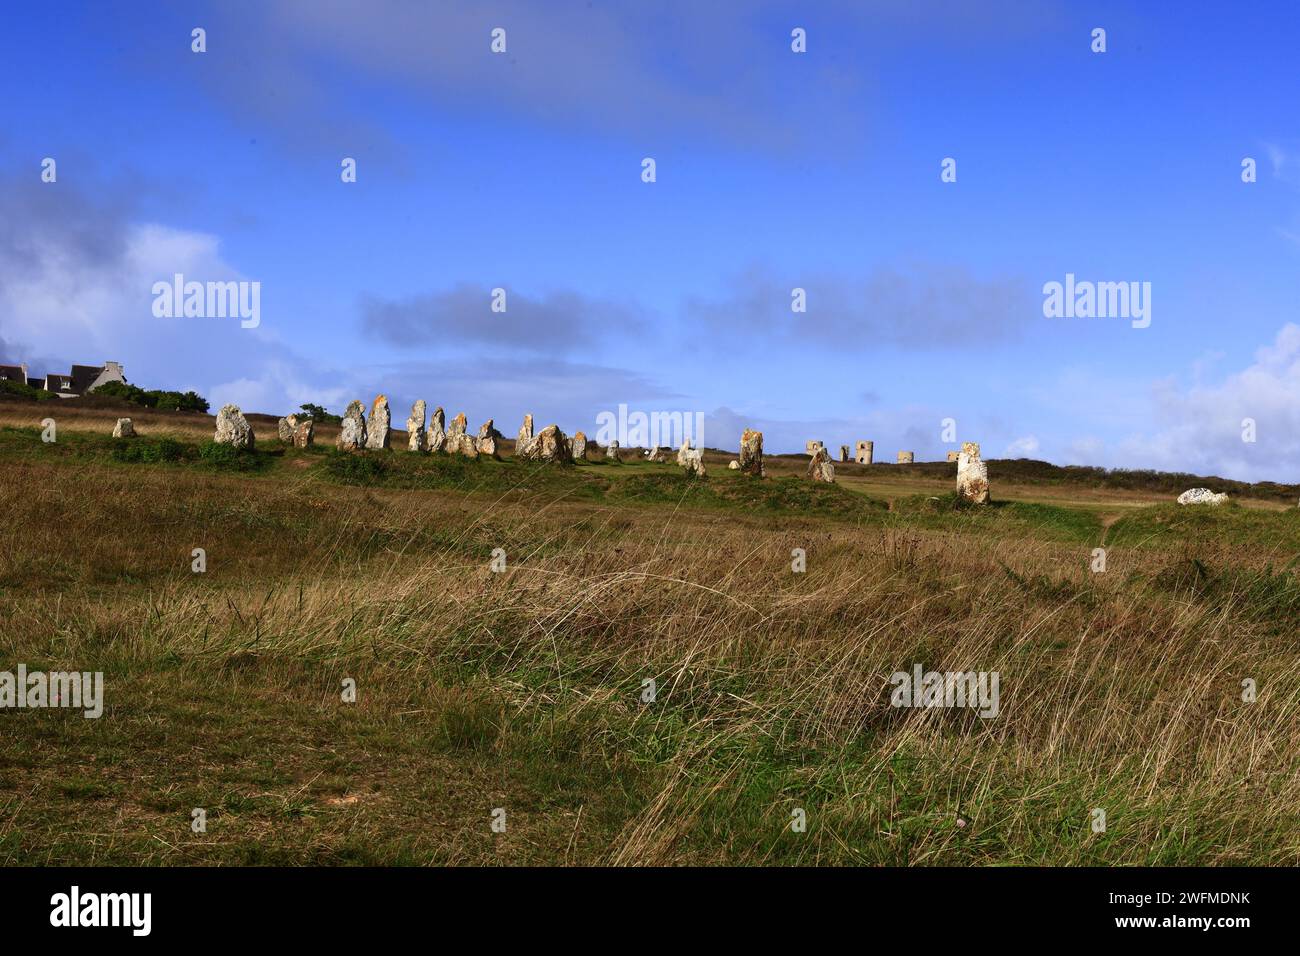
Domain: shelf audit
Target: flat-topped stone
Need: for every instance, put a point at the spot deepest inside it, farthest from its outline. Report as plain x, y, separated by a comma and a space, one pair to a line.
1201, 496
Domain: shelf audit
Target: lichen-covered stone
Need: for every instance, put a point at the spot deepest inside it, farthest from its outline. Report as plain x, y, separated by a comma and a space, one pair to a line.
694, 462
751, 452
124, 429
864, 452
551, 444
844, 453
379, 425
232, 428
488, 437
435, 436
1201, 496
820, 467
304, 436
352, 430
525, 438
415, 435
459, 442
579, 446
972, 478
611, 451
285, 427
906, 457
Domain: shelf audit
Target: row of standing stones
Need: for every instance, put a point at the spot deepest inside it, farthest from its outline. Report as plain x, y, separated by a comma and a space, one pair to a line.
426, 433
432, 434
972, 473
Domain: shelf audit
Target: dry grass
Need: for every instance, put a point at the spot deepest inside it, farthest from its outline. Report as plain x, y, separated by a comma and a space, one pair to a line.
523, 689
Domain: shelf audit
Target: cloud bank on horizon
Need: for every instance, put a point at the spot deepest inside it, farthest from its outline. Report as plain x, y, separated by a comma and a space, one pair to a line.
847, 242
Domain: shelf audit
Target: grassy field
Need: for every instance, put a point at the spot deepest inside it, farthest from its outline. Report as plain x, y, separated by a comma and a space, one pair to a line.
523, 690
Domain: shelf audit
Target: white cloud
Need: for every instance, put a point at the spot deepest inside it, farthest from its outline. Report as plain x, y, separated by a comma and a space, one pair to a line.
62, 304
1202, 425
1026, 447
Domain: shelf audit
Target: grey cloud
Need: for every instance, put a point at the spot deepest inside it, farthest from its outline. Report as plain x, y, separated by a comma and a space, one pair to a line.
926, 306
59, 222
50, 232
552, 323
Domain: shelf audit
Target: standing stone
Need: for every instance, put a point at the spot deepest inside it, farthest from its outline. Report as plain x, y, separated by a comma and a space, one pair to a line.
525, 438
821, 468
864, 452
906, 457
487, 439
579, 446
550, 444
286, 427
304, 436
611, 452
733, 465
972, 475
124, 429
378, 425
844, 453
435, 437
415, 437
751, 452
352, 430
655, 454
684, 453
458, 442
694, 462
233, 428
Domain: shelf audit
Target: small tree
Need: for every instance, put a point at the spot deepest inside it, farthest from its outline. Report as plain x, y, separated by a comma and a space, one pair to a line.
318, 414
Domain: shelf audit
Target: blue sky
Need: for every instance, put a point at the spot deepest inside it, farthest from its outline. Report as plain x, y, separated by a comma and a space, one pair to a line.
775, 170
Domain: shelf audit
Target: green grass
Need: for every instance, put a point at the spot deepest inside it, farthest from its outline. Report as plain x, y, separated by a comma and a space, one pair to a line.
1168, 525
947, 511
25, 444
522, 689
1027, 471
